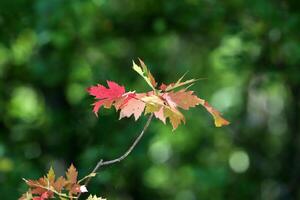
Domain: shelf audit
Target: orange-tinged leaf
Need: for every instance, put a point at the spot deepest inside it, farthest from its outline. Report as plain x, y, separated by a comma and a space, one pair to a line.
36, 187
72, 174
184, 99
40, 187
47, 187
59, 184
219, 120
44, 196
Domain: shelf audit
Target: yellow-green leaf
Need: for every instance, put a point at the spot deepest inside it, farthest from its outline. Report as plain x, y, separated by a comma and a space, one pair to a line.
174, 115
51, 175
150, 108
219, 120
145, 73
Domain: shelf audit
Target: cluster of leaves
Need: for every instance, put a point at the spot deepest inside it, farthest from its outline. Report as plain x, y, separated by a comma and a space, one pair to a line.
162, 101
49, 186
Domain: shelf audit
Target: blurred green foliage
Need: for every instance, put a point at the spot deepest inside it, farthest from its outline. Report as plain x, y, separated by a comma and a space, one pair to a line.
247, 51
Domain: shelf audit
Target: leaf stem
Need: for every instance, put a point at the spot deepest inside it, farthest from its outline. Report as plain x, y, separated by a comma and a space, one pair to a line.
122, 157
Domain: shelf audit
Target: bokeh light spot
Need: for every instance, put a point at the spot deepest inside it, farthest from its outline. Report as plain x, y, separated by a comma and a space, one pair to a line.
160, 151
75, 93
239, 161
25, 104
157, 177
6, 165
225, 98
23, 47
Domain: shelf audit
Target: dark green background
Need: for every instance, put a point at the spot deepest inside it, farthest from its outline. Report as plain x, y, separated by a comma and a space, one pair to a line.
248, 51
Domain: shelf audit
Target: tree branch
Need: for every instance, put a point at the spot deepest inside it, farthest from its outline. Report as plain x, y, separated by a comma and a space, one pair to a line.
122, 157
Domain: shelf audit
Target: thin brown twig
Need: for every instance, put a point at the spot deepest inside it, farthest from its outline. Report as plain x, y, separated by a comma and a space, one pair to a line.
122, 157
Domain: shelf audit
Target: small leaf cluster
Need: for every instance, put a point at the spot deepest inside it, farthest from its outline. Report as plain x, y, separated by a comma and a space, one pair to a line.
64, 188
163, 101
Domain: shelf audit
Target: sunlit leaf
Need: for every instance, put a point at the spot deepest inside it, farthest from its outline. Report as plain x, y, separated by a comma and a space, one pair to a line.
133, 107
163, 103
145, 73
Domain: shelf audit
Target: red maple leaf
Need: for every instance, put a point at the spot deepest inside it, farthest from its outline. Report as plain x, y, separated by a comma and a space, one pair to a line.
106, 96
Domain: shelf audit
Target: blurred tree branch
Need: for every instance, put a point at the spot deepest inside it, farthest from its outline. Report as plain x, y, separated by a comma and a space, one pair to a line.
122, 157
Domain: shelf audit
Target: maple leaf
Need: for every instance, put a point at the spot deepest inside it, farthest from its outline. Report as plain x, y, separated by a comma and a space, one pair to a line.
71, 181
174, 115
186, 99
183, 99
106, 96
134, 106
72, 174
